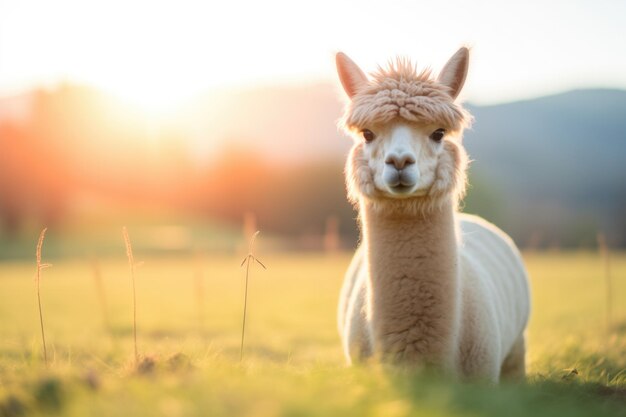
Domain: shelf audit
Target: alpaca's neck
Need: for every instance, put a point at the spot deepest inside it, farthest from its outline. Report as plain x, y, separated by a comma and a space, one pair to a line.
412, 261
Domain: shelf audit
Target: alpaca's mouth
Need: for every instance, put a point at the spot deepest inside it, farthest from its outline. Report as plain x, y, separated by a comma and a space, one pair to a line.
399, 181
406, 191
401, 189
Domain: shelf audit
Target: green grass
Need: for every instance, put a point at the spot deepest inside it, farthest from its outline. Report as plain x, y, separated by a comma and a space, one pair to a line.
293, 364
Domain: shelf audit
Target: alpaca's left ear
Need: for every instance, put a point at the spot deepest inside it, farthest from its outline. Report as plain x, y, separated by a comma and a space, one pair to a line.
351, 76
454, 72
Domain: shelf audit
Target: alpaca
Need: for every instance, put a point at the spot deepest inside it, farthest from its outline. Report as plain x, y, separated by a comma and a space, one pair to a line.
428, 286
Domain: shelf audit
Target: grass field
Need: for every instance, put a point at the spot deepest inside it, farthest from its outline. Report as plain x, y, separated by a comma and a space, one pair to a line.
189, 324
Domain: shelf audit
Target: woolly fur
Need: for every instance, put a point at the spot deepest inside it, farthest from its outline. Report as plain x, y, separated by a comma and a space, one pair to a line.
427, 286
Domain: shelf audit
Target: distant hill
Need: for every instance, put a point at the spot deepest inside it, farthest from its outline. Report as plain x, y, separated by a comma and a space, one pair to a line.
559, 162
560, 145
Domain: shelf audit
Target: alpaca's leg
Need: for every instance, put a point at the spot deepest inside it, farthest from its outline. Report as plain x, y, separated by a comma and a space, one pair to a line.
357, 341
349, 282
514, 365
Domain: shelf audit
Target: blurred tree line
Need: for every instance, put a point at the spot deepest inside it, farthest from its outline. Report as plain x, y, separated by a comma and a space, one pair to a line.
76, 150
75, 147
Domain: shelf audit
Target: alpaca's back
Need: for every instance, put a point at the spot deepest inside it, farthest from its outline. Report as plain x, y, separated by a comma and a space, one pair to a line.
495, 295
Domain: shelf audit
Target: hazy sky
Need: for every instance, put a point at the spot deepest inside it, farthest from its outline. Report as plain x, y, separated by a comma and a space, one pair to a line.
159, 53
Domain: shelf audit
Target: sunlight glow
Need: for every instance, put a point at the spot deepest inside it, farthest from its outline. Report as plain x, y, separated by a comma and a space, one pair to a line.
148, 98
158, 54
155, 60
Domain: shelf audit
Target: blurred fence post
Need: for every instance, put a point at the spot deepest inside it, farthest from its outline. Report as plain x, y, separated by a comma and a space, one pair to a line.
332, 241
603, 249
249, 227
97, 276
199, 290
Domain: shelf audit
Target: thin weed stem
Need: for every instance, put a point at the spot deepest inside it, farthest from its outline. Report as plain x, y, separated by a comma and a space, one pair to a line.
131, 262
245, 310
41, 266
247, 260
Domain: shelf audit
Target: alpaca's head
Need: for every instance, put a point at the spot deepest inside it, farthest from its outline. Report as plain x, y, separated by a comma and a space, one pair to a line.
407, 131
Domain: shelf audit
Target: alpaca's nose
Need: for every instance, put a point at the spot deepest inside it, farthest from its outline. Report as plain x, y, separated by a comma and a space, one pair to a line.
400, 161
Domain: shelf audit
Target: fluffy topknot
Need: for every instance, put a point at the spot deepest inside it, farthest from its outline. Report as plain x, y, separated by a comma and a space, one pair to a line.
401, 92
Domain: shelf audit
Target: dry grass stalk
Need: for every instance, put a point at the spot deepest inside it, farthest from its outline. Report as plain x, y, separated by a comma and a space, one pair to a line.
250, 258
131, 262
603, 248
41, 266
200, 297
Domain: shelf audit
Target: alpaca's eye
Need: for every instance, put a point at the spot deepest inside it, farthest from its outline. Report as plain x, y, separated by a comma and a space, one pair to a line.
368, 135
438, 134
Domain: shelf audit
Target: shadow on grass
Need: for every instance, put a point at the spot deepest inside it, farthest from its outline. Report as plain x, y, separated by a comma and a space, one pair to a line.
619, 328
178, 362
127, 332
539, 396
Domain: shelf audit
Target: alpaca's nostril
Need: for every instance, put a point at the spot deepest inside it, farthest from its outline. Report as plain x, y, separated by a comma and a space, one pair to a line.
400, 161
409, 160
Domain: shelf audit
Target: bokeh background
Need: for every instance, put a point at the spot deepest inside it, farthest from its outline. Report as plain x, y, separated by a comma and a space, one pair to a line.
196, 123
189, 122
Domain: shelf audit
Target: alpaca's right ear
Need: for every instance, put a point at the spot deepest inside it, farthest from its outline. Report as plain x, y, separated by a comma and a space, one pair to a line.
454, 72
351, 76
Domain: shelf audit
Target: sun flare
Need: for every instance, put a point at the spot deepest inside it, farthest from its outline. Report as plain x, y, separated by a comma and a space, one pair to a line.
152, 100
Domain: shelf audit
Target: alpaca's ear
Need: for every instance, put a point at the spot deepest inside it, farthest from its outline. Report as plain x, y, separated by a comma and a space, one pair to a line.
454, 72
351, 76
